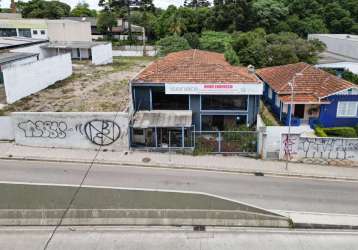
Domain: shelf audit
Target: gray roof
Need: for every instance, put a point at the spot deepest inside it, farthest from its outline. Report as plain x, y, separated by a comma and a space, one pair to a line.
329, 57
163, 119
72, 45
92, 20
10, 57
11, 42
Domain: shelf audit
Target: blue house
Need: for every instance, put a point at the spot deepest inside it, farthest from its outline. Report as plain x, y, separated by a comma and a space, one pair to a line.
191, 90
316, 96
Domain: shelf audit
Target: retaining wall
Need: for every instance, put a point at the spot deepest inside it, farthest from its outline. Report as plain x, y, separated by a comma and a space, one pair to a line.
331, 150
6, 128
85, 130
23, 80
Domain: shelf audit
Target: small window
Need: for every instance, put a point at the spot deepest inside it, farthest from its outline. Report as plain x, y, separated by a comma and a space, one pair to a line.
277, 101
269, 93
34, 32
347, 109
42, 32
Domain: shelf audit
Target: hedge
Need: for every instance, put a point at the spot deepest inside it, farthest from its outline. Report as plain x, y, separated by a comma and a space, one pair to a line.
348, 132
319, 132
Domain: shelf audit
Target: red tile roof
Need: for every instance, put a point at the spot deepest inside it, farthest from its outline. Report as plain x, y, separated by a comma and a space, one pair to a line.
194, 66
310, 86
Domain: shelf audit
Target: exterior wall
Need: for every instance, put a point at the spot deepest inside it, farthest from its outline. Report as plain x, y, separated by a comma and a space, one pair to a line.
69, 31
134, 51
39, 35
338, 44
43, 53
72, 130
142, 101
23, 80
337, 150
328, 113
6, 128
20, 62
102, 54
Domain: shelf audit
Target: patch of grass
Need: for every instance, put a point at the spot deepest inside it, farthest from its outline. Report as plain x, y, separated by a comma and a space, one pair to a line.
267, 117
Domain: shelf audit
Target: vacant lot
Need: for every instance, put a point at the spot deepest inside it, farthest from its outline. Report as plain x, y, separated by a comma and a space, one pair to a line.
90, 88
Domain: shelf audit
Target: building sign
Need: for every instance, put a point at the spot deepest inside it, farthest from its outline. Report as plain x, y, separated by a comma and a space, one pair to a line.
213, 89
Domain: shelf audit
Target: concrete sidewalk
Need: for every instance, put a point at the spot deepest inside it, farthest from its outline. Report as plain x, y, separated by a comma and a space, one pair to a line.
232, 164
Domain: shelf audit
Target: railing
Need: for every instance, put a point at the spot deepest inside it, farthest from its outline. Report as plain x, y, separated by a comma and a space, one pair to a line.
226, 142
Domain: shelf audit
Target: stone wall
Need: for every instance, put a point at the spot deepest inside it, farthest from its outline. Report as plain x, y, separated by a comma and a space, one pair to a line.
72, 129
331, 150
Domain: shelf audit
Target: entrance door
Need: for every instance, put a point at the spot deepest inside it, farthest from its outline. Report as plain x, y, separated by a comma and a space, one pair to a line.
299, 111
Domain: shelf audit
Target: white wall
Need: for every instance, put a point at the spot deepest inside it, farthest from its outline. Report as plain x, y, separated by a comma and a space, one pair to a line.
297, 147
20, 62
43, 53
23, 80
69, 31
102, 54
72, 129
6, 128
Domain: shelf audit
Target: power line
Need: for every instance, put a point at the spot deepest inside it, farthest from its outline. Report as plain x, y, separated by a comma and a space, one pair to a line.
74, 195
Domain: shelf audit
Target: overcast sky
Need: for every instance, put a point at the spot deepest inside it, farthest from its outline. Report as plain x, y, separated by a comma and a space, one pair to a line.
94, 3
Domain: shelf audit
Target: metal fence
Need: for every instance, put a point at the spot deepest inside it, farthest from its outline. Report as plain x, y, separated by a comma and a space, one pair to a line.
230, 142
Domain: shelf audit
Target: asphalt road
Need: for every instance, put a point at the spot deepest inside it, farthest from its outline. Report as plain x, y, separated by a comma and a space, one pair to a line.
294, 194
157, 239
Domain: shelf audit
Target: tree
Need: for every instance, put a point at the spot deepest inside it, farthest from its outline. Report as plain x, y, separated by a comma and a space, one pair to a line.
83, 10
171, 44
125, 6
193, 39
196, 3
106, 21
268, 13
44, 9
215, 41
231, 56
349, 76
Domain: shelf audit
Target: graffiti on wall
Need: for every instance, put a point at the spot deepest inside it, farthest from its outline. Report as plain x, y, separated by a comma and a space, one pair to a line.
295, 146
99, 132
289, 144
44, 129
329, 148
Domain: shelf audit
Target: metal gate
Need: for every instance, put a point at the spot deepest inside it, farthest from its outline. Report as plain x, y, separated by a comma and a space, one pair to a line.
226, 142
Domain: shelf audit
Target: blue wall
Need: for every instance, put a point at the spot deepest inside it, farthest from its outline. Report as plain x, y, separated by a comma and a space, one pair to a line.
142, 101
328, 112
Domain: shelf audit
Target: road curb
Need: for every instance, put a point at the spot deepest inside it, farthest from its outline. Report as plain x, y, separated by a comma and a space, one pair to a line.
184, 167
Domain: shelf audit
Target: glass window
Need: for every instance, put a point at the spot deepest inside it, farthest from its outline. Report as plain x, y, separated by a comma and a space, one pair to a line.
222, 122
347, 109
42, 32
269, 93
161, 101
25, 32
224, 102
4, 32
34, 32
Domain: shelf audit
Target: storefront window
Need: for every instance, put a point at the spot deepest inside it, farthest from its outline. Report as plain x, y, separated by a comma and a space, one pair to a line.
222, 122
224, 102
161, 101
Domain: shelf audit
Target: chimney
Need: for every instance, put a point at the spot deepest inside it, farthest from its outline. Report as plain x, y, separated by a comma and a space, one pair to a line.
251, 69
13, 6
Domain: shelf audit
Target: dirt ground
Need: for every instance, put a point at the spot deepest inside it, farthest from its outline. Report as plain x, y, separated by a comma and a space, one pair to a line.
90, 88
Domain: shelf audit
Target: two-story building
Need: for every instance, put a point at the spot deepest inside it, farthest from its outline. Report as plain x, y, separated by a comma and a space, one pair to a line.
191, 90
316, 96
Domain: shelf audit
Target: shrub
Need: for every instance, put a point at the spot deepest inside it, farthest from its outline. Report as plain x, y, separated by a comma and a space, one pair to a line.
171, 44
231, 56
356, 128
341, 132
319, 132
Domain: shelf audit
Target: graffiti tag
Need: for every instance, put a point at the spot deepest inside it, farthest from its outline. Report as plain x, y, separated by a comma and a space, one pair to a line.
44, 129
102, 132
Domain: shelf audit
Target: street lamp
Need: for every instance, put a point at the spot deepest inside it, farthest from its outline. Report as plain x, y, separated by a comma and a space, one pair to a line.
291, 84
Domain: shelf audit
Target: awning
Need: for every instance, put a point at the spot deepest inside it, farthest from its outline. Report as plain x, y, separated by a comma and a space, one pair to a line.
163, 119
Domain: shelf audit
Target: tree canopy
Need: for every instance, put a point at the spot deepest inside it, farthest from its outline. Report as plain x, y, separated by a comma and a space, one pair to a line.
44, 9
83, 10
